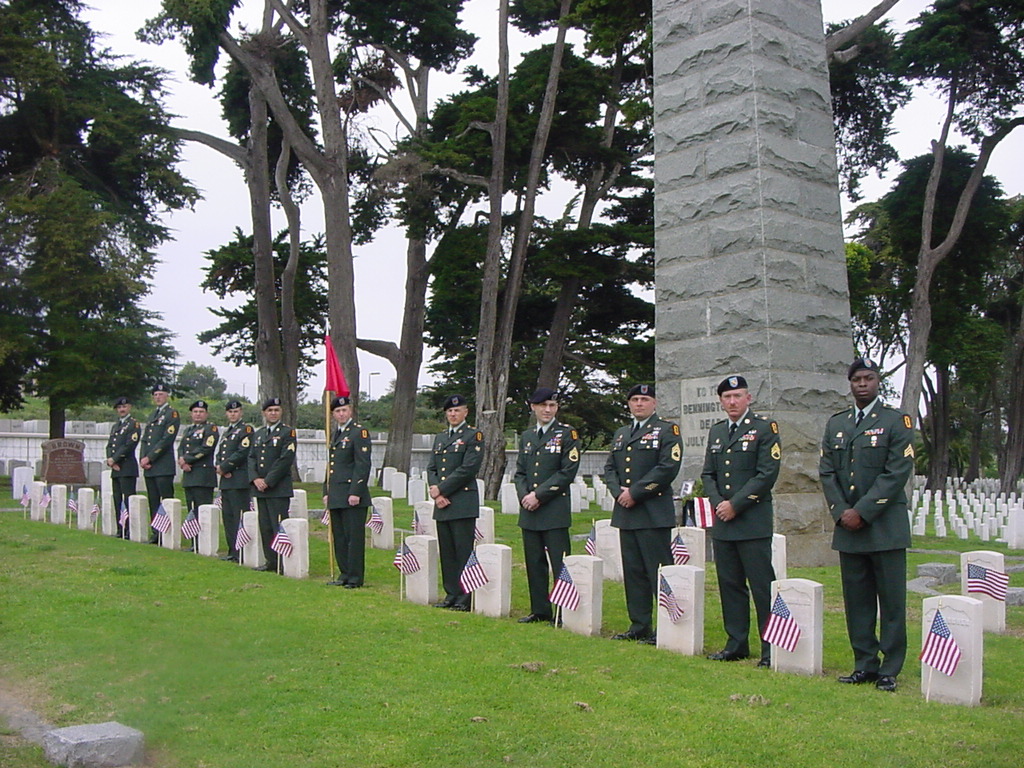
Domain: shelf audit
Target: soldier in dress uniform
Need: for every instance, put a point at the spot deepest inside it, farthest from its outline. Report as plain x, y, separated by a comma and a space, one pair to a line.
195, 458
347, 493
548, 459
867, 458
270, 472
741, 465
643, 461
451, 472
233, 470
124, 466
156, 451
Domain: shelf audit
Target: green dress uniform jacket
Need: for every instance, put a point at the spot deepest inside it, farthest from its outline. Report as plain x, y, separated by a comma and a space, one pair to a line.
743, 469
547, 466
158, 441
452, 467
866, 468
197, 446
349, 471
233, 455
646, 463
121, 445
271, 458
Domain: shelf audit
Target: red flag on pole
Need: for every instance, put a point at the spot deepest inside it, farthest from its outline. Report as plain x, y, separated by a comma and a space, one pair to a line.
335, 377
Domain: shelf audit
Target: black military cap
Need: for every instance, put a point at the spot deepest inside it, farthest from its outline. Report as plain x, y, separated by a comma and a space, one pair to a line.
230, 405
271, 401
199, 404
730, 383
641, 389
861, 364
340, 401
542, 395
453, 401
161, 386
122, 401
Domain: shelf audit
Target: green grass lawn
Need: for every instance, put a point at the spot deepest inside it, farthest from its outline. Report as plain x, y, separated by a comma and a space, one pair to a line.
223, 667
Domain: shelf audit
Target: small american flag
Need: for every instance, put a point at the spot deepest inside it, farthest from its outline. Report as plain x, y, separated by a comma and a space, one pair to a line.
667, 600
26, 497
405, 560
218, 502
680, 554
591, 546
987, 581
940, 649
191, 528
781, 628
417, 527
252, 505
478, 535
703, 512
242, 538
45, 501
565, 593
161, 520
122, 519
376, 522
94, 512
473, 575
282, 543
72, 505
325, 518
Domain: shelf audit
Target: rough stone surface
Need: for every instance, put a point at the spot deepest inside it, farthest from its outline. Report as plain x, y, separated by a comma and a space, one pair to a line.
941, 573
750, 269
103, 745
1015, 596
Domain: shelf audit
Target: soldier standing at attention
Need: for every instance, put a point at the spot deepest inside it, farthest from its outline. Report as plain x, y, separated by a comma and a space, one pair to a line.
270, 472
643, 461
233, 469
195, 458
741, 465
867, 457
548, 459
156, 451
347, 494
124, 466
451, 472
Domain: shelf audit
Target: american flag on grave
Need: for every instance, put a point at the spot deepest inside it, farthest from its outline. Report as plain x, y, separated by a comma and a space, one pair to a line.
473, 575
781, 628
94, 512
218, 502
26, 497
72, 505
940, 650
565, 593
161, 520
45, 501
242, 538
405, 560
680, 554
325, 518
591, 546
417, 527
987, 581
376, 522
478, 535
667, 600
122, 519
191, 528
703, 512
281, 543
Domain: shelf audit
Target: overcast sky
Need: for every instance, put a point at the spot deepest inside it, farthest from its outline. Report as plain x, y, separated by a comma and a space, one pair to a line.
379, 266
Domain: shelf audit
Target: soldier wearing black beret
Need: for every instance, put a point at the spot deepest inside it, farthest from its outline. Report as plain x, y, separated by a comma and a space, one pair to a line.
195, 458
156, 451
232, 463
270, 472
124, 466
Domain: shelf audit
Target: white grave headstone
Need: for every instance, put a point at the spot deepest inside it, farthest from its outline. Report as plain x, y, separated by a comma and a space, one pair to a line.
588, 578
575, 499
36, 510
480, 489
399, 485
209, 529
779, 556
608, 549
138, 519
299, 505
495, 597
509, 499
386, 538
107, 489
425, 514
695, 540
86, 499
963, 616
485, 526
252, 553
58, 504
385, 480
417, 490
108, 517
686, 635
172, 539
421, 586
296, 565
993, 609
806, 602
21, 478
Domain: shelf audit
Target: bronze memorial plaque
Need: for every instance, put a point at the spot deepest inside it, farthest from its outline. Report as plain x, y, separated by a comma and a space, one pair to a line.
63, 462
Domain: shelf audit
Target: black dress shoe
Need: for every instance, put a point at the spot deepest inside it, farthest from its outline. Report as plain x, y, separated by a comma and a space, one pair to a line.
631, 635
649, 640
764, 662
725, 655
534, 618
336, 583
859, 676
886, 683
263, 568
459, 607
443, 604
352, 586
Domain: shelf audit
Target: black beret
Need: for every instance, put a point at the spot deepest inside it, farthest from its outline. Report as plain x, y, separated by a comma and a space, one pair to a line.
161, 386
730, 383
453, 401
861, 364
641, 389
542, 395
122, 401
340, 401
230, 405
199, 404
271, 401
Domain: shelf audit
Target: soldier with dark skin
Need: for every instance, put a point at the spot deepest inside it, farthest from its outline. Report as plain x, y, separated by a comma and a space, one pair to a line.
195, 458
232, 463
548, 460
644, 460
455, 459
347, 494
741, 465
270, 472
124, 466
867, 458
156, 451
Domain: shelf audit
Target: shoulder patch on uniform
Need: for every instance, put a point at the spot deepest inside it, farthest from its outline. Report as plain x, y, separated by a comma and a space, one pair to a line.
215, 430
774, 426
245, 442
776, 452
907, 422
170, 430
135, 436
479, 435
675, 430
248, 429
575, 435
211, 440
293, 433
574, 455
677, 452
909, 451
174, 414
364, 434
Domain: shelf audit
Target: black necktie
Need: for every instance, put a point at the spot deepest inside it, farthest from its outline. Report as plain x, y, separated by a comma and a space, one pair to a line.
859, 419
732, 430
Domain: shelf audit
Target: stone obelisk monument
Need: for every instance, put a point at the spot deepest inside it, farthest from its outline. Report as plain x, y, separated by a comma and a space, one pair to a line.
750, 271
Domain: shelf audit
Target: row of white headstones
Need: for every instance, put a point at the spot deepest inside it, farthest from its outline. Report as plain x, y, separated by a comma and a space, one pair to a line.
966, 616
990, 516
